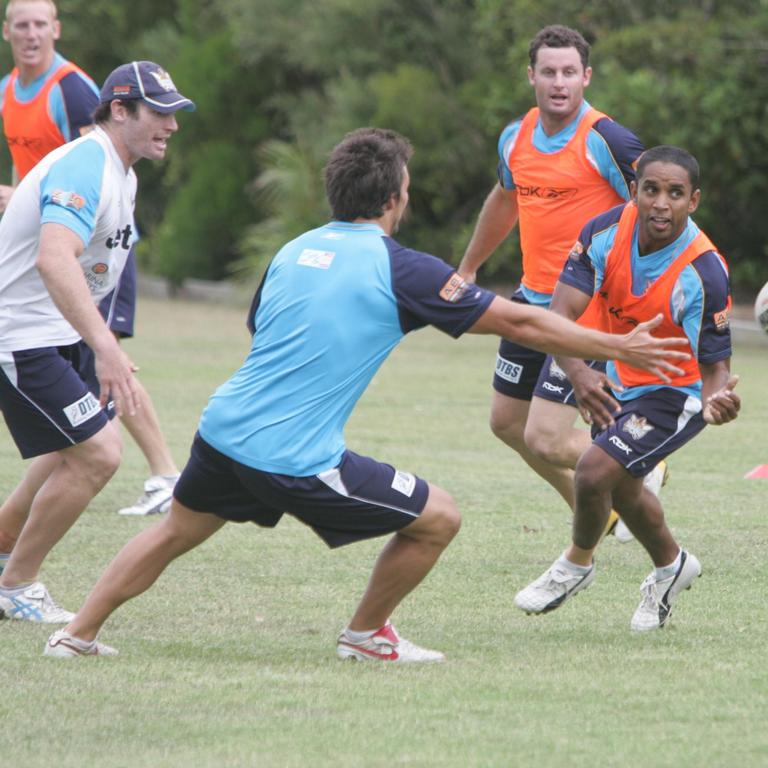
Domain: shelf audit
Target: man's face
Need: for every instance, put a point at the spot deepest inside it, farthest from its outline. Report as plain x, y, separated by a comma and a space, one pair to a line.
559, 80
664, 198
32, 31
146, 133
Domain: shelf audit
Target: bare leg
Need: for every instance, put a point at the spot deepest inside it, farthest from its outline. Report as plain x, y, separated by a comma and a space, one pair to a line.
551, 434
406, 559
600, 481
15, 509
508, 419
144, 427
81, 473
139, 564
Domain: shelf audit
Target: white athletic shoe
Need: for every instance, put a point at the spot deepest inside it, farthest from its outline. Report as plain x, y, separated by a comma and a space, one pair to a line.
656, 606
65, 646
385, 645
653, 481
552, 589
35, 604
158, 491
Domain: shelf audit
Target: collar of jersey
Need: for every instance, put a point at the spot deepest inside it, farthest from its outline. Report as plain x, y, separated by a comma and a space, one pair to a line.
367, 226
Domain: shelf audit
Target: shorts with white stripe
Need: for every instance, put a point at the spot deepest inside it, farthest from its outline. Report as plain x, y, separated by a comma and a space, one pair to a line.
359, 499
649, 428
48, 398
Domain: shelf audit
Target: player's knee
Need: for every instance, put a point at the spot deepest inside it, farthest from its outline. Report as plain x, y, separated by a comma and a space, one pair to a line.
510, 432
543, 444
441, 519
592, 475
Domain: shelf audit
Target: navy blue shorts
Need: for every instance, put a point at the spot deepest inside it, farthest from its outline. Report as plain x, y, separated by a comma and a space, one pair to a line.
517, 367
121, 303
49, 398
359, 499
553, 384
649, 428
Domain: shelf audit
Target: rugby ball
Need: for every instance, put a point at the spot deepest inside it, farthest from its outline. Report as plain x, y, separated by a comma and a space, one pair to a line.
761, 308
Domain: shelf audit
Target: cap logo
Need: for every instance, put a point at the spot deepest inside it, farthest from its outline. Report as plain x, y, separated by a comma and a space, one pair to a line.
121, 90
163, 80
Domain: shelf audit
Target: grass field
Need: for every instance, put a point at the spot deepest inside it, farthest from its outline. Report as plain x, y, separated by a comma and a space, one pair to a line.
229, 660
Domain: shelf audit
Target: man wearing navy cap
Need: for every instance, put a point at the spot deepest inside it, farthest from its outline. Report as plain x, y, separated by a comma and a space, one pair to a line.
63, 244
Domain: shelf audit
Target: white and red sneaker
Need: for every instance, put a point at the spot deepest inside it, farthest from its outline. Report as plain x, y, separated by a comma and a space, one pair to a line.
65, 646
385, 645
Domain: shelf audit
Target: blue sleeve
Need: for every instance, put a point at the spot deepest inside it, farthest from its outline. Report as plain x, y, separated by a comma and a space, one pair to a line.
506, 142
614, 150
72, 104
71, 190
430, 292
702, 296
584, 268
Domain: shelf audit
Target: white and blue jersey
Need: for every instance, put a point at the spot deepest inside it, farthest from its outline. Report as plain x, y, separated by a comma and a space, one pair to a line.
697, 301
333, 304
85, 187
611, 149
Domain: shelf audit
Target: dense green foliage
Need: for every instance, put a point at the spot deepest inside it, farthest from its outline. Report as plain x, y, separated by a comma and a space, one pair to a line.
278, 82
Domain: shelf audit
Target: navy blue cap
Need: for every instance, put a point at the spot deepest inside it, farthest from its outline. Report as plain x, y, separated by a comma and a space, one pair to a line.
147, 81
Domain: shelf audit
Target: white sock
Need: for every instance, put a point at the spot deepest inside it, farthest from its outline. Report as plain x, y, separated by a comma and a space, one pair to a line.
14, 591
573, 567
668, 571
359, 637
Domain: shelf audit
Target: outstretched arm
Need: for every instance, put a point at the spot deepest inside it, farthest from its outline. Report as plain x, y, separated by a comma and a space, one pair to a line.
548, 332
497, 217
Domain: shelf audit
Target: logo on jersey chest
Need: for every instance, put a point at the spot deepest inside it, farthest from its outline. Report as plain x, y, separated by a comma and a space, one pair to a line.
121, 238
547, 193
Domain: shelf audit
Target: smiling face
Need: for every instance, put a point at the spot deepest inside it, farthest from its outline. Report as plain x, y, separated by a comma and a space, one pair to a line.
665, 198
32, 30
558, 79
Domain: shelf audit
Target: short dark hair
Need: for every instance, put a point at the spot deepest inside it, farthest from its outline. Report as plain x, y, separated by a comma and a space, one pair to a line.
363, 172
103, 112
666, 153
558, 36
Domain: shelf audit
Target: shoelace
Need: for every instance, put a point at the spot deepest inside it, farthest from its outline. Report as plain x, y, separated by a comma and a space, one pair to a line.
648, 591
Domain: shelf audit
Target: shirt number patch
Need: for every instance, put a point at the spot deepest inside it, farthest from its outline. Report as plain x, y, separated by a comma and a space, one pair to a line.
317, 259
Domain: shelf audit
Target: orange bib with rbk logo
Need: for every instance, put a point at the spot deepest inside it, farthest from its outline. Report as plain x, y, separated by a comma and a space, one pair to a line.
615, 309
557, 193
28, 126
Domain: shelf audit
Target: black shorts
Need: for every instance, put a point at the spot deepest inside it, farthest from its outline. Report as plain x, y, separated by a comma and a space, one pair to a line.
649, 428
553, 384
359, 499
517, 367
49, 398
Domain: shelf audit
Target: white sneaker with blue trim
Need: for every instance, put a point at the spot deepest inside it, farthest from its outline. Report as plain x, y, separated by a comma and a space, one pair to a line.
34, 604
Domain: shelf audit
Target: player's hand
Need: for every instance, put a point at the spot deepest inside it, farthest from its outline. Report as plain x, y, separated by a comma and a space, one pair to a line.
467, 277
723, 406
642, 350
114, 371
5, 196
596, 404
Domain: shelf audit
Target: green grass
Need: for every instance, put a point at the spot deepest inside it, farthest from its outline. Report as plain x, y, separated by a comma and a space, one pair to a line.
229, 660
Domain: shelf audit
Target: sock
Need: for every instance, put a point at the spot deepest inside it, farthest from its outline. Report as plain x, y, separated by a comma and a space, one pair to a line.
668, 571
14, 591
359, 637
572, 567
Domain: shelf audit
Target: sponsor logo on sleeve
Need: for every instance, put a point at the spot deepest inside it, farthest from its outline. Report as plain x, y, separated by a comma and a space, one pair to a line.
637, 426
404, 482
508, 370
81, 410
67, 199
310, 257
454, 289
722, 321
575, 253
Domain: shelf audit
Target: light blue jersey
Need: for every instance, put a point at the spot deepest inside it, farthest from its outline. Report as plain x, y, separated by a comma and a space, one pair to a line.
332, 306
